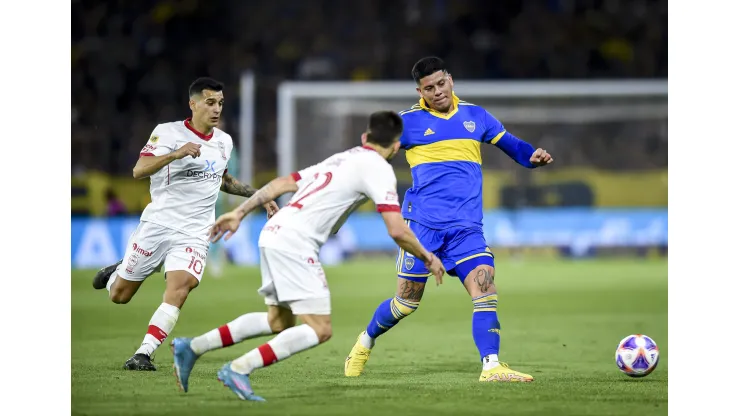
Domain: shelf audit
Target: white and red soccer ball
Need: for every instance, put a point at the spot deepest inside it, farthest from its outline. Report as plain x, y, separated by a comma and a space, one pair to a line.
637, 355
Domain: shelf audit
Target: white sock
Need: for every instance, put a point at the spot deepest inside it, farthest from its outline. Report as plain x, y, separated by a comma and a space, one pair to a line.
161, 324
244, 327
287, 343
366, 340
490, 361
112, 279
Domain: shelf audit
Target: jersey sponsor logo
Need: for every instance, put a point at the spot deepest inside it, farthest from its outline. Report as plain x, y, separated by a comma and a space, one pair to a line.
148, 148
391, 196
198, 254
428, 132
138, 249
469, 126
222, 149
204, 174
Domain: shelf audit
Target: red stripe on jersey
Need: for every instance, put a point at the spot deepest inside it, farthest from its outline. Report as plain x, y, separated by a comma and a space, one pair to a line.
196, 132
388, 208
268, 355
157, 333
296, 176
369, 148
226, 338
146, 154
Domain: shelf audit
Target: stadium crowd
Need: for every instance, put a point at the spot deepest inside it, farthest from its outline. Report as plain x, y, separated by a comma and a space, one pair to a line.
132, 61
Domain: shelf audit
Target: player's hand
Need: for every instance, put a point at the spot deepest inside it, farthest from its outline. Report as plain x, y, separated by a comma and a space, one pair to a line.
271, 208
190, 149
226, 225
435, 266
540, 157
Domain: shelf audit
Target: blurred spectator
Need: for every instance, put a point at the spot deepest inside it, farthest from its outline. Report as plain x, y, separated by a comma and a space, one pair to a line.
115, 206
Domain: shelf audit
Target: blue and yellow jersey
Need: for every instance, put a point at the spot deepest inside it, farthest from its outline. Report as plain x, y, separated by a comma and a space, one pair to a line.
443, 151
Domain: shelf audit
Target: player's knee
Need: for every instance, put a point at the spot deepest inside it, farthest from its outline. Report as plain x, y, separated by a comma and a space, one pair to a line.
176, 296
480, 280
120, 297
280, 324
321, 325
410, 290
323, 331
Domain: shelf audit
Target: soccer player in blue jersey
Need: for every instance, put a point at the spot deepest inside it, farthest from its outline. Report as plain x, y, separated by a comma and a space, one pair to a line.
442, 136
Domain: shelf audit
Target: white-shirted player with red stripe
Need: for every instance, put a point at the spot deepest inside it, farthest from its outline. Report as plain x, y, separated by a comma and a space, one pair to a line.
293, 281
186, 163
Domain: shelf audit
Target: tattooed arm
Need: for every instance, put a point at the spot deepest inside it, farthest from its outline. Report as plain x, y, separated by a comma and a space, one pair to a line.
231, 185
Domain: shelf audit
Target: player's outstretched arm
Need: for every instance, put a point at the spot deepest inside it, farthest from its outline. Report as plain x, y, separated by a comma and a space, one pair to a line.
226, 225
147, 166
267, 194
231, 185
522, 152
406, 239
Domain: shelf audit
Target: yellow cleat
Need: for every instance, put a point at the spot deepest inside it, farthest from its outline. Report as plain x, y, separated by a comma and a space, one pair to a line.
502, 373
355, 362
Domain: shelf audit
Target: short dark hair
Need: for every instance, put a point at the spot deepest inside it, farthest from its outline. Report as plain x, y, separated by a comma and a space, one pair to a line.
204, 83
427, 66
384, 127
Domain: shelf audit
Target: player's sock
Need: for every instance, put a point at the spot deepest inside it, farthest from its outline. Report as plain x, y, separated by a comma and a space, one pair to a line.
244, 327
388, 314
486, 328
161, 324
287, 343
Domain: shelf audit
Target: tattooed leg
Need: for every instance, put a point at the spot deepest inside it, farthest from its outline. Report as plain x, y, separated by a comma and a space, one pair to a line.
486, 327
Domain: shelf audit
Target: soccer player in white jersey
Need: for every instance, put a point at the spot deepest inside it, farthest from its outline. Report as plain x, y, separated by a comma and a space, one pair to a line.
293, 281
186, 163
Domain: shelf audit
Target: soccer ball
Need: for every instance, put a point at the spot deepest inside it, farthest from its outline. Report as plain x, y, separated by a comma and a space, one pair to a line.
637, 355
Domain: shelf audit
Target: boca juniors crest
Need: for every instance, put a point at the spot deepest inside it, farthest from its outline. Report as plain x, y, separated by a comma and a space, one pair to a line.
469, 126
409, 263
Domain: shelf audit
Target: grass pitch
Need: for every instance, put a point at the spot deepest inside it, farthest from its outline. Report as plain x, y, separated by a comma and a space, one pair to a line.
561, 322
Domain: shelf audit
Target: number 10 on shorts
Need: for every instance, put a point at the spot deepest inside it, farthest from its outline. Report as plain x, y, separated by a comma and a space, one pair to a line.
196, 265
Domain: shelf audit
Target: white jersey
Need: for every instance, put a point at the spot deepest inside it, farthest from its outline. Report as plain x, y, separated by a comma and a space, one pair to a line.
184, 192
327, 194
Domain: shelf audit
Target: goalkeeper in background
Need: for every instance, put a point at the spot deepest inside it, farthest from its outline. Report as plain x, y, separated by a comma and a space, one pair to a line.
442, 136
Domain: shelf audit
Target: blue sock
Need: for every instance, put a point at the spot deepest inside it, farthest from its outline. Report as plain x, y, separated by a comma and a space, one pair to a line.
486, 327
388, 314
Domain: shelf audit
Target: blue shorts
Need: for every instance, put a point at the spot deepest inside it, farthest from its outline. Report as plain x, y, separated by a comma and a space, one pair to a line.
461, 249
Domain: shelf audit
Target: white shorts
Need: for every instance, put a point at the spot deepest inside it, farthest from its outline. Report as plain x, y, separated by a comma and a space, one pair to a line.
152, 245
294, 281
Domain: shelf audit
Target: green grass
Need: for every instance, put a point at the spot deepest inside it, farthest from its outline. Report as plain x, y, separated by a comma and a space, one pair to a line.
561, 322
